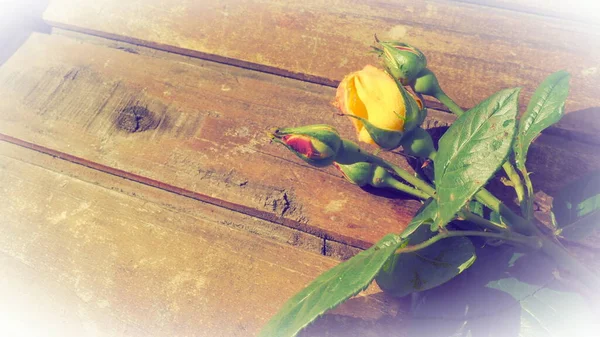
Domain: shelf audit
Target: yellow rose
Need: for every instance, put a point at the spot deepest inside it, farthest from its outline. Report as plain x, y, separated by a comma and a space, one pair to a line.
373, 96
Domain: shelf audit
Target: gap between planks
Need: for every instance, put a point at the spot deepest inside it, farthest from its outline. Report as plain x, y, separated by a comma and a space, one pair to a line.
571, 154
210, 142
80, 247
75, 31
62, 15
297, 234
578, 150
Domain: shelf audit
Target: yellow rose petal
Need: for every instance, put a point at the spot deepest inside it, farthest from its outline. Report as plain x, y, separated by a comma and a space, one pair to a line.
381, 98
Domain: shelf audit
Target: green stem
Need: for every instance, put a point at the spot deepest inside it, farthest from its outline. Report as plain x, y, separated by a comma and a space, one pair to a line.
397, 185
485, 223
449, 103
519, 224
560, 255
532, 242
411, 179
514, 177
528, 208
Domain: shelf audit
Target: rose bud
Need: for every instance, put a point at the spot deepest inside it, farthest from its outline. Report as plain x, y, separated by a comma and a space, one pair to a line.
427, 84
379, 106
418, 143
315, 144
403, 62
363, 173
360, 173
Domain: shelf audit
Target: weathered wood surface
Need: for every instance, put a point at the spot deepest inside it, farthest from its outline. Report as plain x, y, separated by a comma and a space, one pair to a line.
475, 50
190, 124
197, 128
129, 224
80, 257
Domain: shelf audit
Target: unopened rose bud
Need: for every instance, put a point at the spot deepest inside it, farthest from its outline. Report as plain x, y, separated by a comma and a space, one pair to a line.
427, 84
317, 145
360, 173
404, 62
380, 108
418, 143
364, 173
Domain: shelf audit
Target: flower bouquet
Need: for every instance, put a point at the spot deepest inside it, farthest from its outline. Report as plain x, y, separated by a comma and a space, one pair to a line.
460, 220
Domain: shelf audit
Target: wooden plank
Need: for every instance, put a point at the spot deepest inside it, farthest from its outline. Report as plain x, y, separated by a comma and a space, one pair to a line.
320, 42
79, 258
581, 10
210, 145
179, 202
200, 129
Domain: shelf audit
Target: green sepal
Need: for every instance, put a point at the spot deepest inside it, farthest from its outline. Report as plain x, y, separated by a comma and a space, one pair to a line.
386, 139
413, 116
350, 153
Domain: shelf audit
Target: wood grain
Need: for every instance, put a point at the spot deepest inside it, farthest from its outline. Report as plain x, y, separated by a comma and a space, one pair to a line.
475, 50
199, 132
79, 258
190, 124
175, 200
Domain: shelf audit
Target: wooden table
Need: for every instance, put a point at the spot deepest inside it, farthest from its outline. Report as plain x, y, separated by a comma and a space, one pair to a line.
140, 196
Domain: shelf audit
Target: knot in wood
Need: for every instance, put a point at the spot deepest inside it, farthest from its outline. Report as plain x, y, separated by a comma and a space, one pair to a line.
136, 118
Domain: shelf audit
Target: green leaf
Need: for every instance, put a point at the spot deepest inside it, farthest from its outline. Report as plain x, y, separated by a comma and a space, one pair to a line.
577, 208
332, 288
476, 208
430, 267
472, 150
505, 293
425, 215
546, 107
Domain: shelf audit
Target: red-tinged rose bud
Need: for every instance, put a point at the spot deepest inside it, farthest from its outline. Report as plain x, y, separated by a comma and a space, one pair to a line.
317, 145
404, 62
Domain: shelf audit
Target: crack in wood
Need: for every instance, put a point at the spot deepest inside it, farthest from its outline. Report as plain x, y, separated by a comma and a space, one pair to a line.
351, 242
